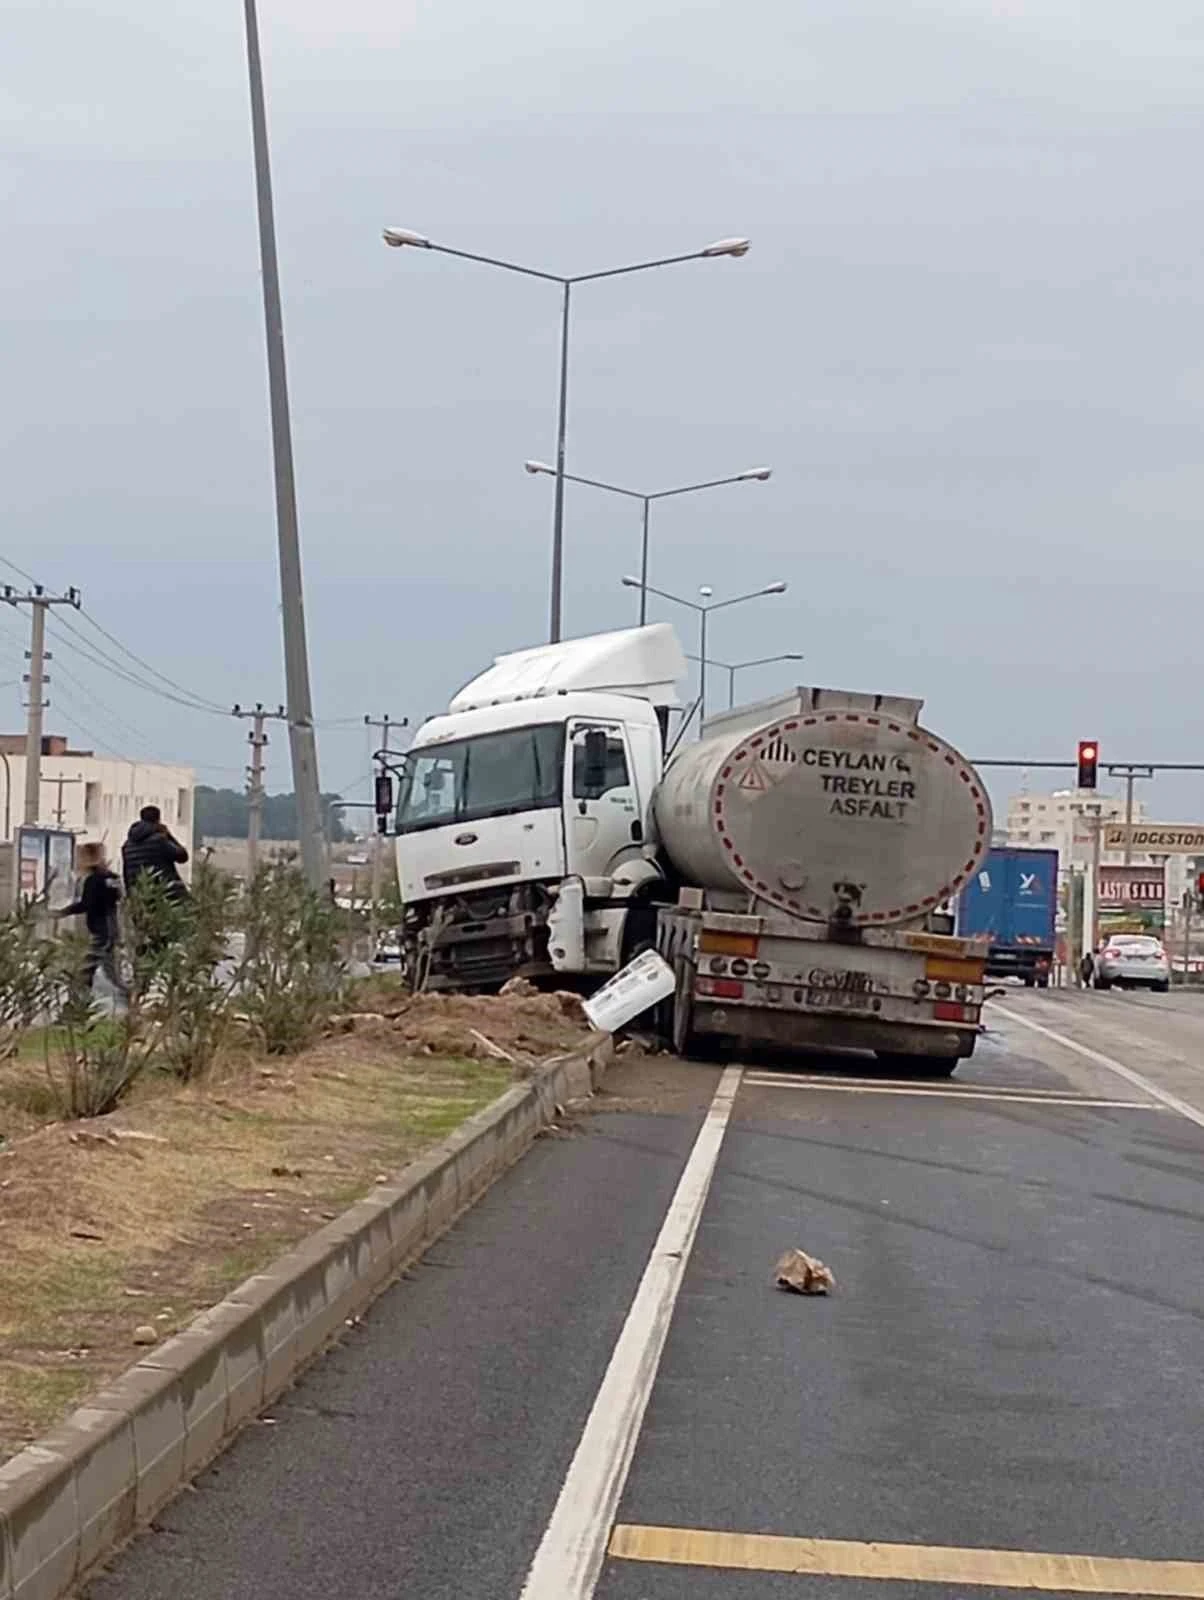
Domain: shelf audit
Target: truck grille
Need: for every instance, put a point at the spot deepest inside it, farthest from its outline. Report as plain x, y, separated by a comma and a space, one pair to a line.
452, 880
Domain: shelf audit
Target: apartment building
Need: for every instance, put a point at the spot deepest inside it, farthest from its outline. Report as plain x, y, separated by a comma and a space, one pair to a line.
94, 797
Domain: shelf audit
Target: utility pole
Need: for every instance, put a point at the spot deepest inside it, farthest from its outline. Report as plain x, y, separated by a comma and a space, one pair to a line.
258, 740
1096, 838
383, 724
39, 602
1128, 771
59, 808
292, 609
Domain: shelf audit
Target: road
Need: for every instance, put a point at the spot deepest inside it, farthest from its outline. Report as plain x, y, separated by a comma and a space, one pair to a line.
1006, 1378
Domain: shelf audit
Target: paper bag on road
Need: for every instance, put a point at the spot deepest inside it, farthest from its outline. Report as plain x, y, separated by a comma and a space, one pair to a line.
799, 1273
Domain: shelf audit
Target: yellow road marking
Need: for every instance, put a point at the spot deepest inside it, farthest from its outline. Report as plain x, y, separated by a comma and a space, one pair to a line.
911, 1563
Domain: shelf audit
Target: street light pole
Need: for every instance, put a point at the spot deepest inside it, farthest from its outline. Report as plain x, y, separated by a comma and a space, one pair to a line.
644, 565
732, 667
704, 609
750, 475
399, 237
703, 613
557, 598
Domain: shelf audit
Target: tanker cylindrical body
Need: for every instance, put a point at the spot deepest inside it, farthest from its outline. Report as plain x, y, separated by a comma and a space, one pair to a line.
835, 807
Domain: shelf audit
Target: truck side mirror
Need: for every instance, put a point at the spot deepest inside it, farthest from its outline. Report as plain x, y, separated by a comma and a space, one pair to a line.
593, 773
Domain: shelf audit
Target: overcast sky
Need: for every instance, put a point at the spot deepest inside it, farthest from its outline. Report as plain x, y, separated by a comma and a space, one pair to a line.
968, 340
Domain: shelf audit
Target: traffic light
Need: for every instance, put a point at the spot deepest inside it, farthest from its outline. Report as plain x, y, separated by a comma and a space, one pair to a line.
384, 801
1200, 892
1088, 763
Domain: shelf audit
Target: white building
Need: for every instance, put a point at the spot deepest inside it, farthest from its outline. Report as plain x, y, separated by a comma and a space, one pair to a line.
1065, 821
94, 797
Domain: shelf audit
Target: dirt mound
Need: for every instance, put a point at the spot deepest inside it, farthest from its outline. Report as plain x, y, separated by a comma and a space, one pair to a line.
525, 1024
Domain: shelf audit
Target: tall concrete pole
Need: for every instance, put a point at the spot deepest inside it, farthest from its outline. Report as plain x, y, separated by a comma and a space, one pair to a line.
296, 659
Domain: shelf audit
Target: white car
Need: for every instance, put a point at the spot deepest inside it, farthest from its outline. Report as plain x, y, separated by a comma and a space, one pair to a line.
1133, 961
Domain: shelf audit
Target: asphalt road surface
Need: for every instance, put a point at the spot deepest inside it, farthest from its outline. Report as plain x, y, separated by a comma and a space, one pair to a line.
591, 1386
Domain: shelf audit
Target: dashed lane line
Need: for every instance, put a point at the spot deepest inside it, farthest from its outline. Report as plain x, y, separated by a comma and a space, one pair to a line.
774, 1080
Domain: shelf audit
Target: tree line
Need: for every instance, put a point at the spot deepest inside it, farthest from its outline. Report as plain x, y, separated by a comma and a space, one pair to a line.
223, 814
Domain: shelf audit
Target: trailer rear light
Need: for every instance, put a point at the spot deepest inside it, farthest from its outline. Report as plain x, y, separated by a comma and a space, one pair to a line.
920, 988
943, 991
760, 970
720, 988
717, 964
950, 1011
955, 970
740, 968
713, 942
773, 992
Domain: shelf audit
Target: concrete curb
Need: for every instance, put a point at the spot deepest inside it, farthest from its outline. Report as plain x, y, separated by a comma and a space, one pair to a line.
67, 1501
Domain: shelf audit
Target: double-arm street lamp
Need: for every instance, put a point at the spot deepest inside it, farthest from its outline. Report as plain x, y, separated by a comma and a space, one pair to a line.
704, 607
732, 667
418, 241
751, 475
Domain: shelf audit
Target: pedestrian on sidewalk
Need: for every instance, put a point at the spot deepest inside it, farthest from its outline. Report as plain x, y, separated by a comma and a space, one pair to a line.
98, 900
1087, 968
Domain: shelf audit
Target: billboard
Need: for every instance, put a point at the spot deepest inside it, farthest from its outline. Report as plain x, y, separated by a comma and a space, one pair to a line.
1134, 897
1156, 838
46, 866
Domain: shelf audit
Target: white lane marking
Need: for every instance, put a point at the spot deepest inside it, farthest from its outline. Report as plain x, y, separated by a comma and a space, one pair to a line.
1139, 1080
912, 1085
570, 1555
829, 1085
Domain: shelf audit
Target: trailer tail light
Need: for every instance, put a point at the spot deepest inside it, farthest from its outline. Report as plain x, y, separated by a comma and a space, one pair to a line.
712, 941
950, 1011
719, 988
951, 969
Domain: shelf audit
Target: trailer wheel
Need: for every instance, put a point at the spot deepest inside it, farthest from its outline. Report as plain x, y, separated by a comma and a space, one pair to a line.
919, 1066
684, 1039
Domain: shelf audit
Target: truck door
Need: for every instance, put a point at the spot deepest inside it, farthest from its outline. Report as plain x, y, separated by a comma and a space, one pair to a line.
602, 798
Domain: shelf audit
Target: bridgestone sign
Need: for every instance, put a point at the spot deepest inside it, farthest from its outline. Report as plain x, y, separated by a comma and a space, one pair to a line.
1156, 838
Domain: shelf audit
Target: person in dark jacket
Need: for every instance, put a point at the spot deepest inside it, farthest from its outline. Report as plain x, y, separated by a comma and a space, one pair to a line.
99, 897
150, 848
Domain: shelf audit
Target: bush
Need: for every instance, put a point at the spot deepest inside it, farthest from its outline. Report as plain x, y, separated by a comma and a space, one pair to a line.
185, 993
92, 1060
180, 982
29, 972
291, 977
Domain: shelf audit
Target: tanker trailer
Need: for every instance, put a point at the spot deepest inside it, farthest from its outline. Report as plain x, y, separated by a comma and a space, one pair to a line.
812, 841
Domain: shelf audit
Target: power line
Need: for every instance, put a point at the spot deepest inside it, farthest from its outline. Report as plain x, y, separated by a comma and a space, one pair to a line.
145, 665
19, 570
118, 666
118, 671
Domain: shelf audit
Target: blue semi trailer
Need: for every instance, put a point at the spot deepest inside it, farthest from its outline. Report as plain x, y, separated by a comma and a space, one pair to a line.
1012, 903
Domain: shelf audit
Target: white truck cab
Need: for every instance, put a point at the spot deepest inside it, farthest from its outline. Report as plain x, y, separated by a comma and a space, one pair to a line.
543, 769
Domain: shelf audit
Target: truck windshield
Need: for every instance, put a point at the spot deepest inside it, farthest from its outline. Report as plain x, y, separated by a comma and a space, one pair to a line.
493, 775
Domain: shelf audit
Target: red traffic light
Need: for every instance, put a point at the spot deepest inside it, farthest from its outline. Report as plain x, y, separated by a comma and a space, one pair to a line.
1088, 763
